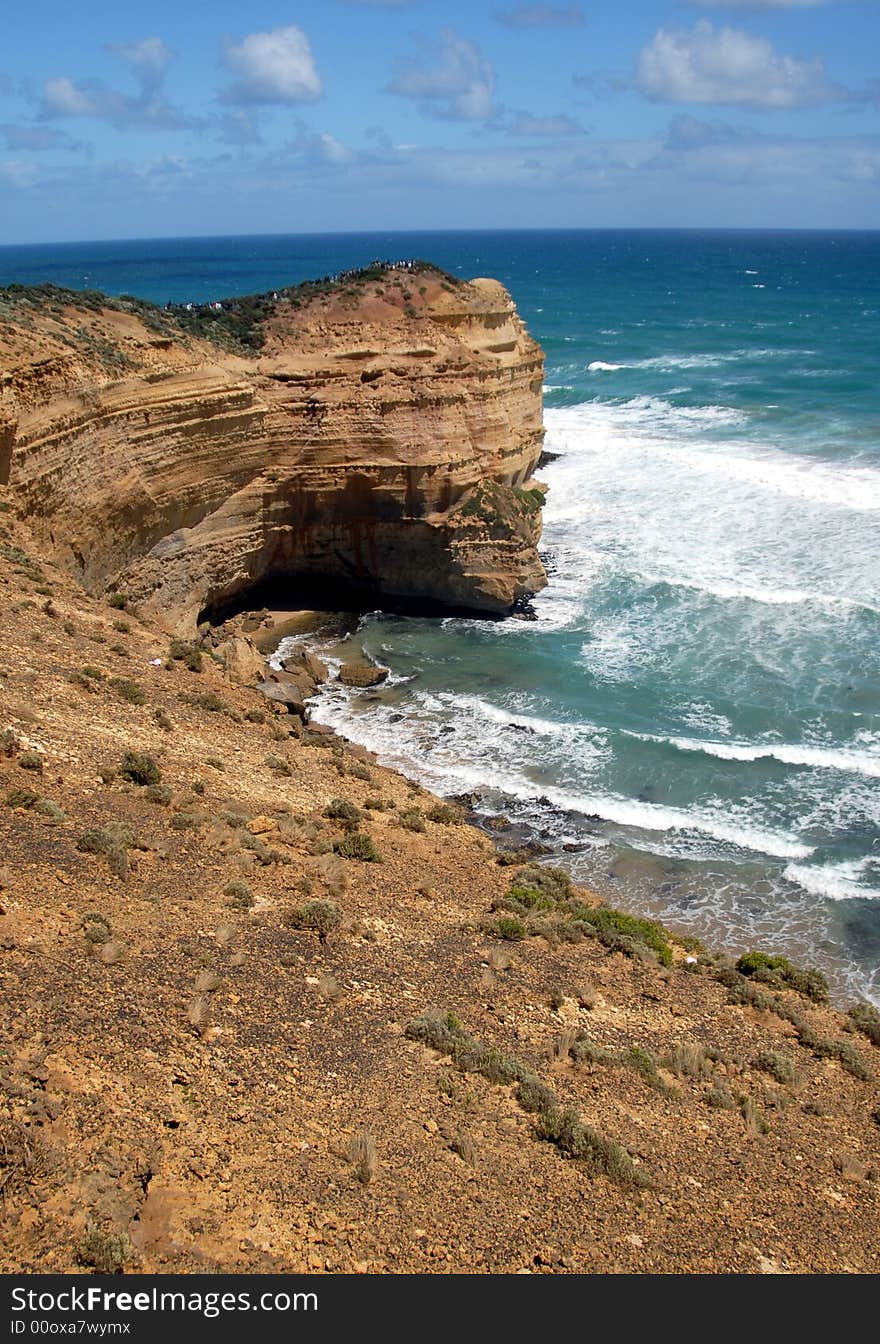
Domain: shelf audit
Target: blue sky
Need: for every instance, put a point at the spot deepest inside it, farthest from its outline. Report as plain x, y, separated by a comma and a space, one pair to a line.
211, 117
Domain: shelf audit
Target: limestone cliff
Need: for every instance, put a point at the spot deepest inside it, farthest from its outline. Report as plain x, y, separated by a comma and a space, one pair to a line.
381, 440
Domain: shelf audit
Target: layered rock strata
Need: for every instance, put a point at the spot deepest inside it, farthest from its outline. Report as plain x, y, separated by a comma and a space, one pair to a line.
381, 441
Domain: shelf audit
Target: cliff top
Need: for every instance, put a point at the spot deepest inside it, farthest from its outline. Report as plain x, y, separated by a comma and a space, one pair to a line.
239, 324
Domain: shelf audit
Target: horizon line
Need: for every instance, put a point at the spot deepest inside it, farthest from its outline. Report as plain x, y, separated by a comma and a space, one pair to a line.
487, 229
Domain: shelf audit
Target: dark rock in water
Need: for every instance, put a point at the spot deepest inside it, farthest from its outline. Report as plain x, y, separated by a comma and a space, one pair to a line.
446, 729
519, 728
648, 794
468, 800
547, 457
573, 846
499, 823
362, 673
396, 718
523, 609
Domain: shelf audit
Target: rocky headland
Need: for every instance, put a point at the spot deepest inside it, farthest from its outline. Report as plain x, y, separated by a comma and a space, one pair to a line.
379, 440
266, 1006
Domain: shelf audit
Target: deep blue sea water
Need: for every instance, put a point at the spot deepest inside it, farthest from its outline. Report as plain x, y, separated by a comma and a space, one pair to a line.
695, 712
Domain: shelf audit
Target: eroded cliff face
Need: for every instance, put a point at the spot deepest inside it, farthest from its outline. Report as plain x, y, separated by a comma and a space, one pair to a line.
382, 440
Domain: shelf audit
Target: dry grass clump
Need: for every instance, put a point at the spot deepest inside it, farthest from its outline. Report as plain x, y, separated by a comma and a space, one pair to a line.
363, 1156
688, 1059
21, 1155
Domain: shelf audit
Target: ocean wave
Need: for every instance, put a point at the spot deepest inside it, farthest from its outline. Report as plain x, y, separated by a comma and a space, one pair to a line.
450, 773
652, 425
599, 366
836, 881
850, 760
772, 597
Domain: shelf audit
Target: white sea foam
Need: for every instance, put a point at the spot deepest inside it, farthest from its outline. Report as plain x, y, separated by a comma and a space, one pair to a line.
451, 768
853, 760
836, 881
599, 366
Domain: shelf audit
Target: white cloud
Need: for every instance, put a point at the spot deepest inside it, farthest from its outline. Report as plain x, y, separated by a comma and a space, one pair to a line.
273, 67
760, 4
552, 127
63, 98
147, 110
541, 16
452, 80
729, 66
36, 139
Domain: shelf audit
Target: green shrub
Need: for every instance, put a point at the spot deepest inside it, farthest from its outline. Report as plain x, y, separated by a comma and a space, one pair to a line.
642, 1062
162, 720
255, 716
781, 974
626, 933
159, 793
411, 819
186, 652
31, 760
183, 821
95, 673
239, 895
322, 916
104, 1252
280, 767
866, 1018
780, 1066
122, 627
21, 798
96, 927
118, 601
511, 929
138, 768
340, 810
112, 842
358, 845
445, 814
130, 691
582, 1143
51, 810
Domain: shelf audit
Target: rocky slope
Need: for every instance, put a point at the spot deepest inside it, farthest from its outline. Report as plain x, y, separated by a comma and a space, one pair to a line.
265, 1006
381, 440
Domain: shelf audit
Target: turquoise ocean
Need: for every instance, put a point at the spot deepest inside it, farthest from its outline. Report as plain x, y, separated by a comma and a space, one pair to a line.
692, 720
